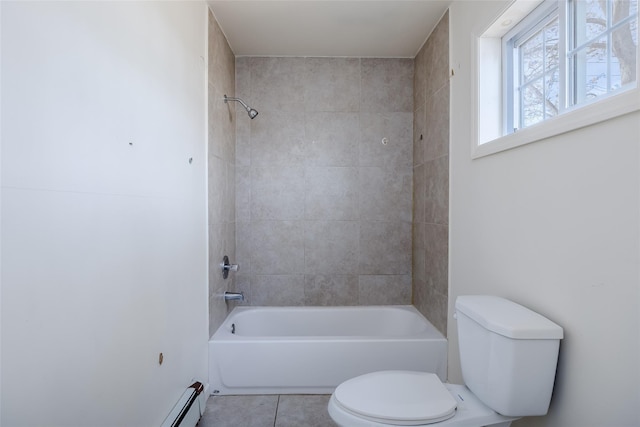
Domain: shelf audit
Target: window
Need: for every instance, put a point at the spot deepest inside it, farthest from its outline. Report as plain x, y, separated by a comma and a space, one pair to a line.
532, 55
567, 54
546, 67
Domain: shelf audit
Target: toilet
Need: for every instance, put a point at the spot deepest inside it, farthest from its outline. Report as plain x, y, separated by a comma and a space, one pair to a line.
508, 356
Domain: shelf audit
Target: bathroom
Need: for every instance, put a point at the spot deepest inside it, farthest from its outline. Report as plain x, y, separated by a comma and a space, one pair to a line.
118, 230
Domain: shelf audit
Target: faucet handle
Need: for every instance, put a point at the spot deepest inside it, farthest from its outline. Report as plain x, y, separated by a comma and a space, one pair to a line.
226, 267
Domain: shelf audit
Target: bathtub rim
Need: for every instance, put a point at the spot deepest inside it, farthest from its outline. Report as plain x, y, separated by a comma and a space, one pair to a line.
223, 332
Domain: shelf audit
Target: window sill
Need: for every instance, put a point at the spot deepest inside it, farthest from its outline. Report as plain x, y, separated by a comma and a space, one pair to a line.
598, 111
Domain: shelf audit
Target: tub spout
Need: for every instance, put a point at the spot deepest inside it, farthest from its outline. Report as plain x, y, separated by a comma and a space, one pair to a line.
233, 296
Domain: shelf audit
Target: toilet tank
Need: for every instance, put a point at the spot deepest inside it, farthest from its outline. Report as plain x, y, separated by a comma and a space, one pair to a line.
508, 354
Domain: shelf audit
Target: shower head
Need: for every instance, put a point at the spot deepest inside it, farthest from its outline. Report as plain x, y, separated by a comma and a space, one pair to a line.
252, 113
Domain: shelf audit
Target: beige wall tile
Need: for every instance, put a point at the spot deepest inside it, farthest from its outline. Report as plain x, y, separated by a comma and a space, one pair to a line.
331, 289
418, 264
221, 58
277, 290
332, 84
331, 247
418, 253
242, 284
277, 247
418, 295
331, 193
385, 247
277, 84
331, 139
243, 142
229, 203
277, 138
243, 127
419, 134
386, 85
243, 193
384, 290
437, 188
436, 304
243, 77
221, 130
436, 256
397, 131
217, 170
436, 141
438, 57
277, 192
419, 193
244, 247
385, 194
420, 78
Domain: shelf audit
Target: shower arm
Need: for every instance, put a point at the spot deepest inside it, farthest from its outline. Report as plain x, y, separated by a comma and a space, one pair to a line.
229, 98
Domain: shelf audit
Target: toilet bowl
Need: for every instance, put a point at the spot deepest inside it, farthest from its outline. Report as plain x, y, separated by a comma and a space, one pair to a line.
408, 398
508, 356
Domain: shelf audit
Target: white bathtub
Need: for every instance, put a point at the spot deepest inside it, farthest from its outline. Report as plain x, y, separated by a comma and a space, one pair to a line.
310, 350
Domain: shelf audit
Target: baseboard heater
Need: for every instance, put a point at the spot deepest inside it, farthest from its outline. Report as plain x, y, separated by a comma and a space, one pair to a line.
189, 409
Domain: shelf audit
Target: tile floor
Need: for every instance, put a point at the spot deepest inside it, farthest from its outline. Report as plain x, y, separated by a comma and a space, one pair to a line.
286, 410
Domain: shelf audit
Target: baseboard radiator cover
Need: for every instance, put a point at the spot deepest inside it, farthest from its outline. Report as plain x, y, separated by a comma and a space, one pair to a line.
189, 408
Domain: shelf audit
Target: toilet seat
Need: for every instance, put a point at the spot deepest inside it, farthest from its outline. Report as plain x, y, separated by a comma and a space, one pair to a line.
397, 398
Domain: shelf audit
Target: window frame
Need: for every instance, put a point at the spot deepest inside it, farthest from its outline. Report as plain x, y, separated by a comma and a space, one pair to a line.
488, 97
518, 35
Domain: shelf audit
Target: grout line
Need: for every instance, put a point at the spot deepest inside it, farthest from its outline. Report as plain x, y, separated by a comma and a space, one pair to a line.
275, 416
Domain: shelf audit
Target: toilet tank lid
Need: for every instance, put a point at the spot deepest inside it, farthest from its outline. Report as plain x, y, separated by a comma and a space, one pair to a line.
507, 318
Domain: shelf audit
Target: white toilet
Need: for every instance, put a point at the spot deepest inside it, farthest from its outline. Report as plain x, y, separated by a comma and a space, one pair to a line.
508, 356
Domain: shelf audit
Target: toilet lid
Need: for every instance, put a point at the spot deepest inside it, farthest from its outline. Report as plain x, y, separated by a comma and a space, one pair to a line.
397, 397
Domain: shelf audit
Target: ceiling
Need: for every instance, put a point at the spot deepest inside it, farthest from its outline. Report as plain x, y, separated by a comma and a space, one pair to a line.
354, 28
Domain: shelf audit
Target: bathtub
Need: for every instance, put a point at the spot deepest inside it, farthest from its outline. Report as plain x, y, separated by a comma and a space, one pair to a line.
311, 350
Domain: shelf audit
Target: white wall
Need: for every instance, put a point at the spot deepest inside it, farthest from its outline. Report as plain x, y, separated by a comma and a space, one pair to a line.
104, 240
553, 225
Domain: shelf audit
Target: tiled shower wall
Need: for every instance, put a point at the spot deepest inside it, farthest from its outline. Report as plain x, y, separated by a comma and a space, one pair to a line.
431, 177
324, 180
221, 169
